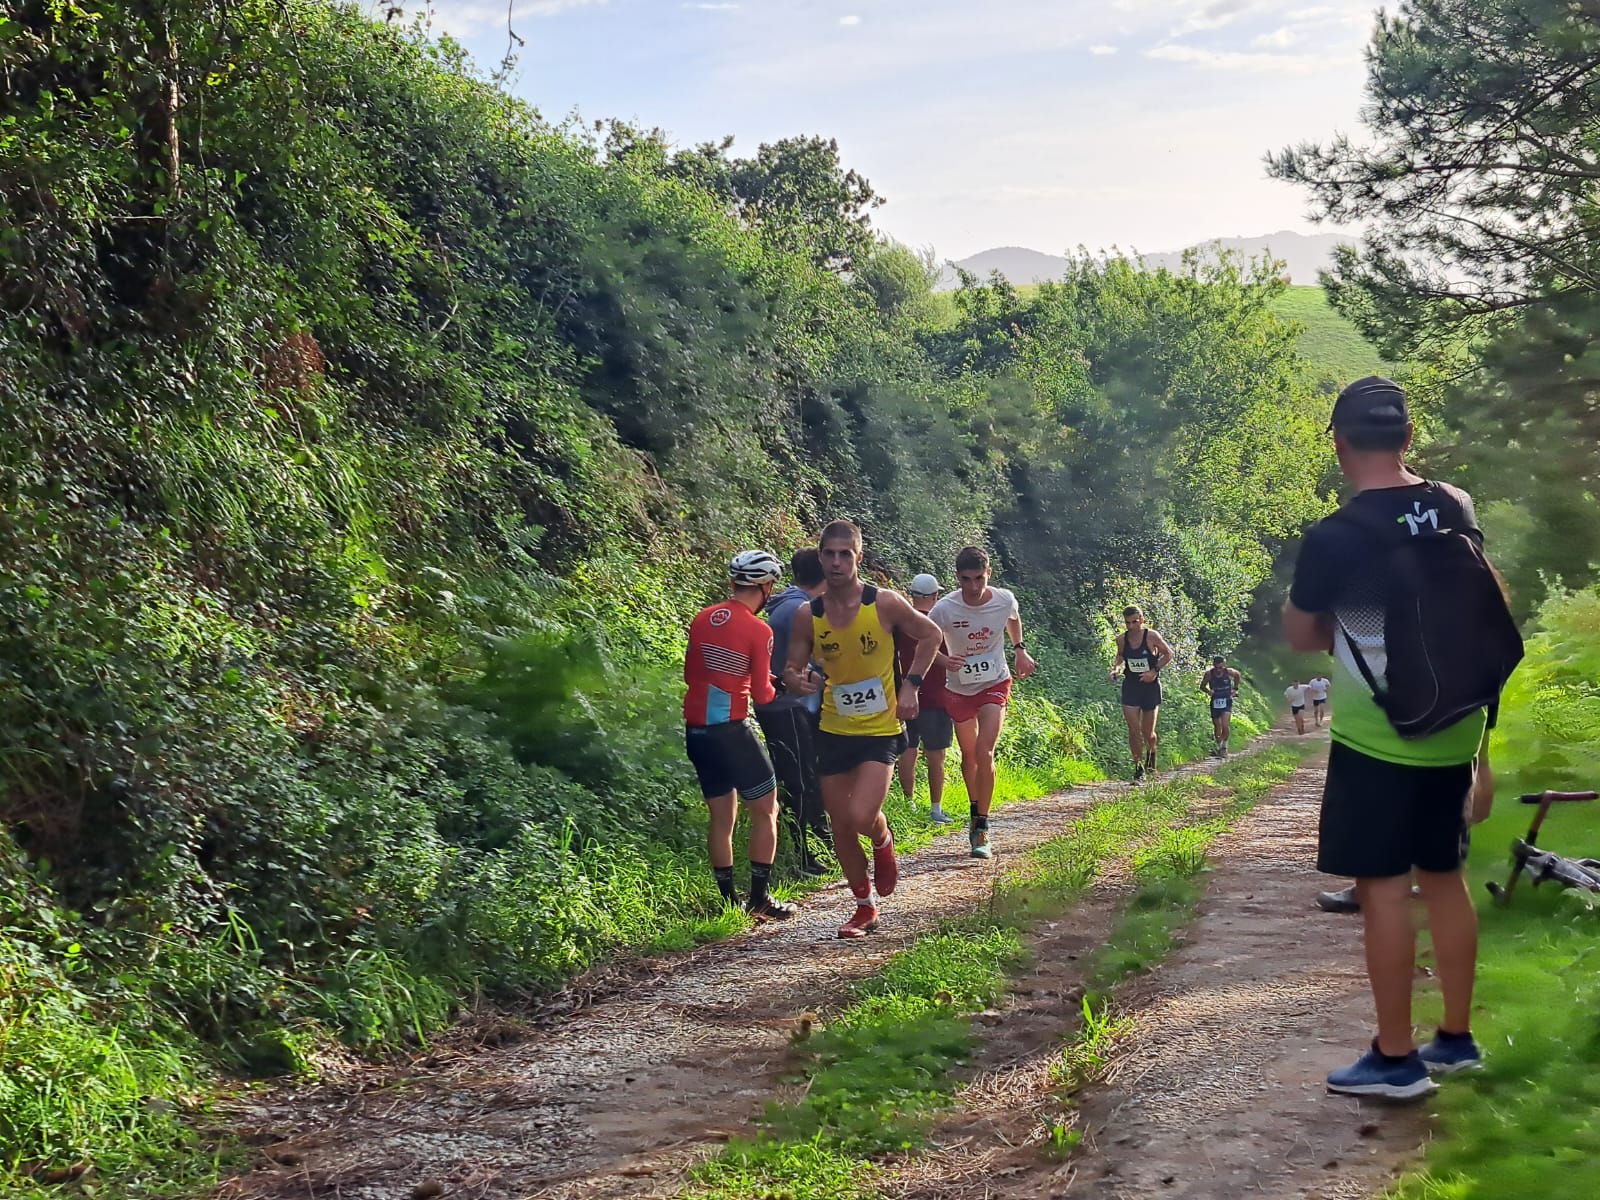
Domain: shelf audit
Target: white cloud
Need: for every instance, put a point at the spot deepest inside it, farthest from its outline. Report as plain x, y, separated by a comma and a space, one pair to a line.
1240, 60
1278, 39
850, 20
1217, 14
1102, 51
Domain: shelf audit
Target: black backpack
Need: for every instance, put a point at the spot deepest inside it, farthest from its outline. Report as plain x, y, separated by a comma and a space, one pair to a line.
1448, 630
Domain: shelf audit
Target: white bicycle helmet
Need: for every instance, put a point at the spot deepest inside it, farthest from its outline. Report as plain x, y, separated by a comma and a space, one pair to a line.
751, 568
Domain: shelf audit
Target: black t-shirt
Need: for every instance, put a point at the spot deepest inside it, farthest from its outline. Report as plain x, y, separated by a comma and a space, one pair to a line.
1340, 563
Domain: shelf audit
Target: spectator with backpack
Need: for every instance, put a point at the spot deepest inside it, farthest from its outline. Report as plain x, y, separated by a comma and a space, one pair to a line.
1395, 586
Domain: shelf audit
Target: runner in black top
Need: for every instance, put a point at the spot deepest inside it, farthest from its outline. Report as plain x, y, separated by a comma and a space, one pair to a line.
1141, 655
1221, 683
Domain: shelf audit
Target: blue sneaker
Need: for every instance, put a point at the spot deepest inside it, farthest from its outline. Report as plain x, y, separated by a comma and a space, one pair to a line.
1446, 1056
1374, 1075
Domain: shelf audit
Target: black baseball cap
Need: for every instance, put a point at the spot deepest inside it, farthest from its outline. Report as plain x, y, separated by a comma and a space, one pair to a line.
1371, 403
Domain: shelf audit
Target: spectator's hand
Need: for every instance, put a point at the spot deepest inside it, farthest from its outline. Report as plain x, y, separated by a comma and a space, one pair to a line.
1025, 664
1481, 799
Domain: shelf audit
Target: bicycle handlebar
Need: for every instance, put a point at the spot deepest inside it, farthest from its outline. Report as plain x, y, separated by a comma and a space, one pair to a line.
1557, 797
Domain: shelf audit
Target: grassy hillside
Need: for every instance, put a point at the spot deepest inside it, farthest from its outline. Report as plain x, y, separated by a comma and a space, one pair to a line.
1329, 341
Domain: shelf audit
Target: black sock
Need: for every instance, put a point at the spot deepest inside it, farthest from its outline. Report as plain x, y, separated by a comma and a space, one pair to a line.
760, 873
1446, 1036
724, 877
980, 820
1388, 1058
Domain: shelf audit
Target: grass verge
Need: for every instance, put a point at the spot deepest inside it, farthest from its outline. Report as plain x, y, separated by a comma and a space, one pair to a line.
1526, 1125
887, 1062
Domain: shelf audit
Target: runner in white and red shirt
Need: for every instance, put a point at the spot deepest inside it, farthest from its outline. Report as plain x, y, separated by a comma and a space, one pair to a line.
975, 621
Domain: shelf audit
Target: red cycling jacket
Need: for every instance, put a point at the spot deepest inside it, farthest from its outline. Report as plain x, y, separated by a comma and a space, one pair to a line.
729, 661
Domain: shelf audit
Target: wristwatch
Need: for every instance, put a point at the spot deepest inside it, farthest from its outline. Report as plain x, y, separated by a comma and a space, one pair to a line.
914, 679
1019, 645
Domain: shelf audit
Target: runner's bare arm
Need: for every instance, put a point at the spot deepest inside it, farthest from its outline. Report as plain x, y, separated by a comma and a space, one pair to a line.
1025, 663
1205, 683
1307, 631
900, 617
1238, 679
798, 677
1116, 663
1164, 655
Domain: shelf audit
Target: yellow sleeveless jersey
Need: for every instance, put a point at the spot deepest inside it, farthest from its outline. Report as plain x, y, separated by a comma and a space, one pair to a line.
859, 696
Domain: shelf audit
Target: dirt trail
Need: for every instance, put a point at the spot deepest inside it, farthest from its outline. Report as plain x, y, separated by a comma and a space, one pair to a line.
1220, 1092
637, 1084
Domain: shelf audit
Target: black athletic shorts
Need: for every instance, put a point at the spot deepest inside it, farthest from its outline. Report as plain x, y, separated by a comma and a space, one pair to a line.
730, 758
1319, 702
1297, 708
932, 727
1138, 694
1380, 819
839, 753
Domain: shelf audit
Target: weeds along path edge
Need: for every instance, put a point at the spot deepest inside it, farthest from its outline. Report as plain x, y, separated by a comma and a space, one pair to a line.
684, 1058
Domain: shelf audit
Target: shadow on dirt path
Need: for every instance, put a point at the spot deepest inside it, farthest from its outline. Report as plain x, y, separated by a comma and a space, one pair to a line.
638, 1084
1219, 1093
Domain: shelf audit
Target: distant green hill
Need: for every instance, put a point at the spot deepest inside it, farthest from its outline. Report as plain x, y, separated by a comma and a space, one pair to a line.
1331, 342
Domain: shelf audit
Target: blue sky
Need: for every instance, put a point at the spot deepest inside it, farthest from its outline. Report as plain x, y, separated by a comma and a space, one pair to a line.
1041, 123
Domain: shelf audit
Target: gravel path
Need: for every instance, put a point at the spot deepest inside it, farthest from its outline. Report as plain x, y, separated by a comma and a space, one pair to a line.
638, 1083
1219, 1093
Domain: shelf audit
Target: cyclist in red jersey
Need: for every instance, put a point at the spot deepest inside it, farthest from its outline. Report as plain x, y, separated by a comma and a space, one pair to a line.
728, 661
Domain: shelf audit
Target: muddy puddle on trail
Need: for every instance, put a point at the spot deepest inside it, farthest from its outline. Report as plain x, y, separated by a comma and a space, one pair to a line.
1218, 1092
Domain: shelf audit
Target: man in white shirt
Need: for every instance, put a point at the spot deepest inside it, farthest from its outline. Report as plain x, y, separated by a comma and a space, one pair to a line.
1317, 689
1295, 694
975, 622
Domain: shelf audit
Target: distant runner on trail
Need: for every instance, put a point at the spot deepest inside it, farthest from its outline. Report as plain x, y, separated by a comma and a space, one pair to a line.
1295, 694
1221, 683
975, 622
850, 630
931, 728
1317, 689
790, 722
1142, 654
729, 661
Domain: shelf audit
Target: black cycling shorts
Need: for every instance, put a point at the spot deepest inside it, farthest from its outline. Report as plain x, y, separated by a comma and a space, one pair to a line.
1380, 819
1297, 708
1138, 694
932, 727
841, 753
1223, 709
730, 758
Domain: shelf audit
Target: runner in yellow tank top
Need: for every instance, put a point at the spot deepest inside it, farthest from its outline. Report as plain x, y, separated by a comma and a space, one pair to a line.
859, 663
850, 630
